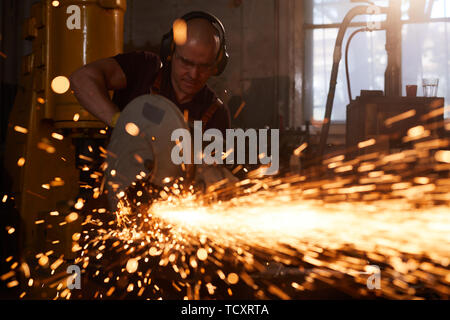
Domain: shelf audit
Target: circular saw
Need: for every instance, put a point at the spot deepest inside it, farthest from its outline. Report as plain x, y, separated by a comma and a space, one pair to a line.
140, 145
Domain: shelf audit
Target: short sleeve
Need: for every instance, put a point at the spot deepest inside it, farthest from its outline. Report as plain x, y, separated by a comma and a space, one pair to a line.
140, 69
138, 66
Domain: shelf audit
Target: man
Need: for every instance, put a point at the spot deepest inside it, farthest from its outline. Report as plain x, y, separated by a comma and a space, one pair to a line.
182, 79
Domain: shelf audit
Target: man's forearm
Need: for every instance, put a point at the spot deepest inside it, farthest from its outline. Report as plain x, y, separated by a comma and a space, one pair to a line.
92, 94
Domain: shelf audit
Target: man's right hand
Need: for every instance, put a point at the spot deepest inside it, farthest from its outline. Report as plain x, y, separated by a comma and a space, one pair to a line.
91, 83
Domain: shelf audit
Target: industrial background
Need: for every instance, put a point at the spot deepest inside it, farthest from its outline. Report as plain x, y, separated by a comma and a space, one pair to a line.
380, 143
266, 52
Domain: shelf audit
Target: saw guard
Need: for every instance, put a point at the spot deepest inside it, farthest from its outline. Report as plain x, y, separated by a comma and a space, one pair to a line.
148, 151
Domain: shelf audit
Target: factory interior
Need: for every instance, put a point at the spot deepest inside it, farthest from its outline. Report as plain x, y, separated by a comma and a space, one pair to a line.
354, 96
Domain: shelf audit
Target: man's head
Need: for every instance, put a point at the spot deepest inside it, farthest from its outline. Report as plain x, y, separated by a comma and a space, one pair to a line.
195, 61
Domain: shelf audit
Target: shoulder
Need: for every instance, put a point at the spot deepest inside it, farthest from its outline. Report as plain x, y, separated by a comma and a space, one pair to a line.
138, 64
137, 55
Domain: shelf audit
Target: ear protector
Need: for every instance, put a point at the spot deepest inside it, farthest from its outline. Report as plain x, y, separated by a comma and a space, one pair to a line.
168, 45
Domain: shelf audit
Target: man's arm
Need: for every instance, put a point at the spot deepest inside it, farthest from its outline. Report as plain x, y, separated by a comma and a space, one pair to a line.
91, 84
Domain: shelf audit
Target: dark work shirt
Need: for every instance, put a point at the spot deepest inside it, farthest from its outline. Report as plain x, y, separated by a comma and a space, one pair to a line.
141, 70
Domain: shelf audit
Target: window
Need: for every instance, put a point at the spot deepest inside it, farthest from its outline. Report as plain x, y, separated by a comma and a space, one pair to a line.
425, 52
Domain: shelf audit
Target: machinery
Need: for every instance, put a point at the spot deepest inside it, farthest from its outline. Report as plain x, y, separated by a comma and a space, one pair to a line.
50, 155
140, 148
368, 113
46, 118
373, 116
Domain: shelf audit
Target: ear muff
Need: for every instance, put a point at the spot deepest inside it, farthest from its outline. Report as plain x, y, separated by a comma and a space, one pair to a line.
168, 45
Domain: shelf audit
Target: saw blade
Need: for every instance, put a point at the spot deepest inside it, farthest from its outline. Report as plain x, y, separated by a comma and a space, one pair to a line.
140, 145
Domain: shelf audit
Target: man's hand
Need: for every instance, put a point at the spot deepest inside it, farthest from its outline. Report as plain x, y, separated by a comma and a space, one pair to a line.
91, 84
114, 119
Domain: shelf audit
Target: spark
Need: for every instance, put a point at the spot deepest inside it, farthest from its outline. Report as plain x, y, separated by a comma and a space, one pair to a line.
233, 278
21, 129
405, 115
12, 284
238, 111
328, 229
202, 254
43, 260
57, 136
132, 129
72, 217
367, 143
46, 146
179, 28
132, 265
79, 204
299, 150
443, 156
416, 131
60, 84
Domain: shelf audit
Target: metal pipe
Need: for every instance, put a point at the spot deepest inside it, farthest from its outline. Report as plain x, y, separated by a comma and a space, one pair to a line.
349, 89
337, 55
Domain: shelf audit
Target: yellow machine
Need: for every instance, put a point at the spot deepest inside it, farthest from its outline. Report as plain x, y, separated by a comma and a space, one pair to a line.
40, 156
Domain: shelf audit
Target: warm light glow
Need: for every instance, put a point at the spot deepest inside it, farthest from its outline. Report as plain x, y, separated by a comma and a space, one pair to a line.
132, 265
43, 260
20, 129
405, 115
367, 143
416, 131
233, 278
79, 204
72, 217
179, 32
202, 254
57, 136
132, 129
60, 84
421, 180
21, 161
443, 156
55, 3
299, 150
387, 210
76, 117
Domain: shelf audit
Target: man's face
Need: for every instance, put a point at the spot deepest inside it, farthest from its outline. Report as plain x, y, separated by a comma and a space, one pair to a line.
192, 65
